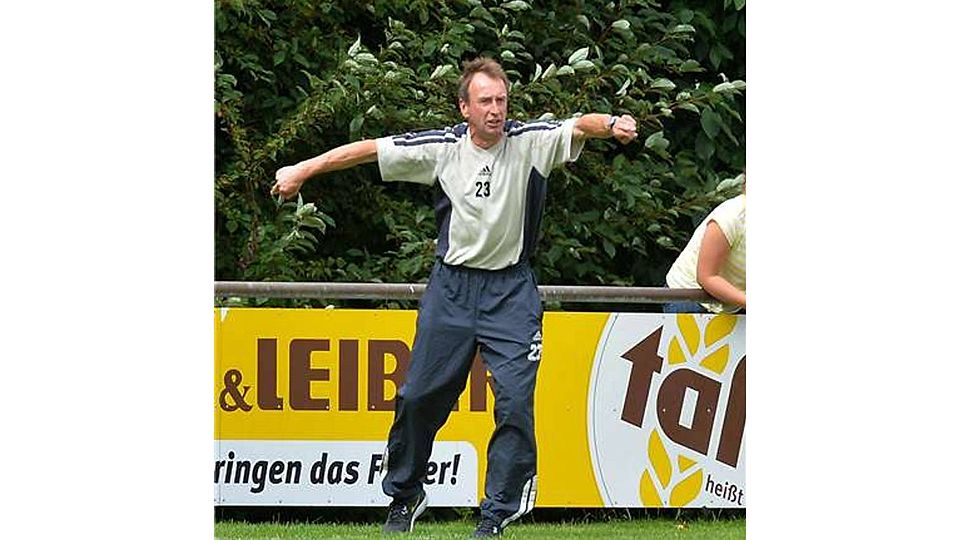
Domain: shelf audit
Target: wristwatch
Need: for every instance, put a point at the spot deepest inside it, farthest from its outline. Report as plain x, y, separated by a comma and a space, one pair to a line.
611, 122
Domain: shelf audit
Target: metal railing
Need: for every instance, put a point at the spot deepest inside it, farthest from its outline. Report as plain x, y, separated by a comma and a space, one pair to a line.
412, 291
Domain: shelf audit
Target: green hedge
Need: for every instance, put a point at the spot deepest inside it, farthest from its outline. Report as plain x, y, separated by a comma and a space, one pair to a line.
297, 78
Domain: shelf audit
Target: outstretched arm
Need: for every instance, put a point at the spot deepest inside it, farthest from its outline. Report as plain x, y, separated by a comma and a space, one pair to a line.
598, 126
714, 250
291, 178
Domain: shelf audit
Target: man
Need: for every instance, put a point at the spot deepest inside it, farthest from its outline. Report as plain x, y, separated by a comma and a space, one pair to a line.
482, 293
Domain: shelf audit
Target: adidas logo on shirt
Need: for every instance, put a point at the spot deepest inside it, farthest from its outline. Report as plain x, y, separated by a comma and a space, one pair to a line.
486, 171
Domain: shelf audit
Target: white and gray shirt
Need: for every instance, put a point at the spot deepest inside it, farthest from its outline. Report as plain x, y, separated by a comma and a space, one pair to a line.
490, 202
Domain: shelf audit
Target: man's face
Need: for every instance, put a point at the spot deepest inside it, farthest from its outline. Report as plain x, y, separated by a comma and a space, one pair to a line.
486, 110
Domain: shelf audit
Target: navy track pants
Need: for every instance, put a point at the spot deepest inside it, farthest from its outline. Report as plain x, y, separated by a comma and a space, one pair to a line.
463, 309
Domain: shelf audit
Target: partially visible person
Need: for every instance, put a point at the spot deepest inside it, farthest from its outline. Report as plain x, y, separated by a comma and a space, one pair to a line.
715, 259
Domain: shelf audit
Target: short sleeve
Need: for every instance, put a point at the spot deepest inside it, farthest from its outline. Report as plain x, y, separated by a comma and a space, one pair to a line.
729, 216
550, 143
412, 157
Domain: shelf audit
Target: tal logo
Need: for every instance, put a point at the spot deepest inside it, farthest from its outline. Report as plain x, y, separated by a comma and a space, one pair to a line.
687, 402
668, 409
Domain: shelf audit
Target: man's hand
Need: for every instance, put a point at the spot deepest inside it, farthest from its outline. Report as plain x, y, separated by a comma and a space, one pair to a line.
625, 129
289, 179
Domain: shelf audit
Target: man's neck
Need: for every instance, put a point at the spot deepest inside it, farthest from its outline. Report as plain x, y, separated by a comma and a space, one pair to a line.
481, 142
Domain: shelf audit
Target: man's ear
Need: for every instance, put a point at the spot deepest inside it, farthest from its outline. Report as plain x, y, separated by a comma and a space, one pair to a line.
463, 108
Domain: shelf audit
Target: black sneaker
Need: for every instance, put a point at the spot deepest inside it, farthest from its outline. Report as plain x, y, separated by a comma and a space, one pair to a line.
402, 514
487, 528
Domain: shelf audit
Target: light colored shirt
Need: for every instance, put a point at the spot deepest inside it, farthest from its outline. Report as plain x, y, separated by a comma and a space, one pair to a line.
731, 217
491, 200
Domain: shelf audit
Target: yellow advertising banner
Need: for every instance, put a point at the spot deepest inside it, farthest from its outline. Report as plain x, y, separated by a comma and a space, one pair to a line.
630, 410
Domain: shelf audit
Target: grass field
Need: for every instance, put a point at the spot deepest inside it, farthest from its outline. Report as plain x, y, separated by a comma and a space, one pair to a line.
648, 529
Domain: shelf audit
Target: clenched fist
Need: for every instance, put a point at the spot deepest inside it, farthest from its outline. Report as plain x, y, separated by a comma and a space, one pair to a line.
288, 181
625, 129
